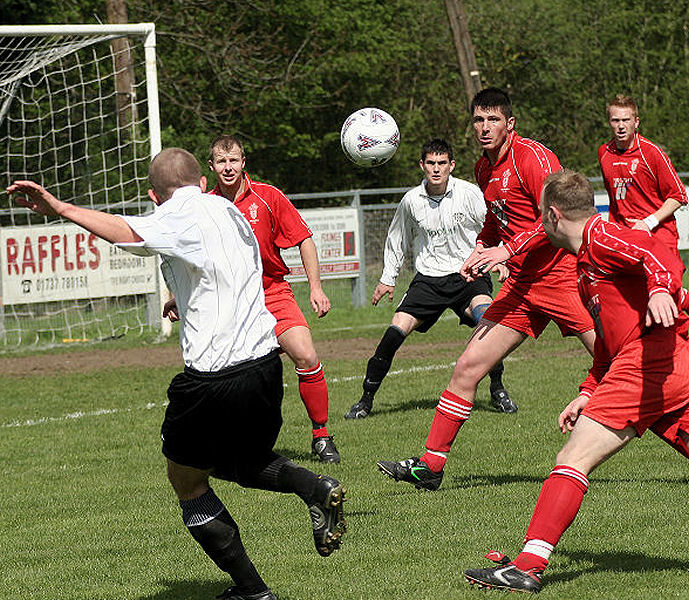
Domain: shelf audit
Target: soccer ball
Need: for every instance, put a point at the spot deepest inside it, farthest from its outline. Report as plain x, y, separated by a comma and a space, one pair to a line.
369, 137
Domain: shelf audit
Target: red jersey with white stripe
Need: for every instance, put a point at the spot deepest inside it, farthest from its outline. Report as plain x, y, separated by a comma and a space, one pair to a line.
639, 180
276, 223
512, 191
619, 270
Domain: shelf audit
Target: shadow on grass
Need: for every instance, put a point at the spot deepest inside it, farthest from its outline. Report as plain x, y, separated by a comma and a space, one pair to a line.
296, 455
485, 480
192, 590
421, 404
615, 561
474, 480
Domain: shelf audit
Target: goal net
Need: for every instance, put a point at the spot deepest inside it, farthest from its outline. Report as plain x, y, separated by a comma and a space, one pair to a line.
79, 115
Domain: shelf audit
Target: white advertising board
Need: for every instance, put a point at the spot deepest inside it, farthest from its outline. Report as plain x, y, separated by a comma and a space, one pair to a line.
66, 262
337, 239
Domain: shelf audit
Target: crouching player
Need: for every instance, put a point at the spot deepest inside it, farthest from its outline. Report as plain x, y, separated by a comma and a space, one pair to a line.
631, 285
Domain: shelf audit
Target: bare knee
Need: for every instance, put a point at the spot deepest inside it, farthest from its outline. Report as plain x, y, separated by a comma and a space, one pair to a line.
187, 482
468, 371
298, 345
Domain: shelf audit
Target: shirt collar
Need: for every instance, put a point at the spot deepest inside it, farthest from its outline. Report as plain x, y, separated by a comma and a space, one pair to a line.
448, 190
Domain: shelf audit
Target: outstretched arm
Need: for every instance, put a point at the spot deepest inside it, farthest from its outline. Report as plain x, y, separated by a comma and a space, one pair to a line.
309, 258
111, 228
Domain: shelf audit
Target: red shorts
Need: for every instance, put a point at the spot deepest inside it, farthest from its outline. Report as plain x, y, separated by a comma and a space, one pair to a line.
645, 387
283, 306
528, 306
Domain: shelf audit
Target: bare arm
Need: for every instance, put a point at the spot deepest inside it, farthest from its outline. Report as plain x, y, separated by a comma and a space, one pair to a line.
111, 228
309, 258
666, 210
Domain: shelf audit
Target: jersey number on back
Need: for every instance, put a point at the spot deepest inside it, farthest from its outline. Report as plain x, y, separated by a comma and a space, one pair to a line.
244, 230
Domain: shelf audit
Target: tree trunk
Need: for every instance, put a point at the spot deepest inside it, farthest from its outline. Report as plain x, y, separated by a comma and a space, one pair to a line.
465, 49
116, 11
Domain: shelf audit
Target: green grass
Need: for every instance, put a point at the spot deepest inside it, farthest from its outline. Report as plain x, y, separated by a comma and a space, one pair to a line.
87, 513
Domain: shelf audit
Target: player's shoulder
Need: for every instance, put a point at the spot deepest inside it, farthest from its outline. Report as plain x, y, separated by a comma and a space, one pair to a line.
464, 186
482, 168
524, 145
604, 149
529, 151
648, 147
266, 190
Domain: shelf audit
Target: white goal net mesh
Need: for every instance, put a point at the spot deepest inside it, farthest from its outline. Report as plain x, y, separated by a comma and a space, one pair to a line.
74, 117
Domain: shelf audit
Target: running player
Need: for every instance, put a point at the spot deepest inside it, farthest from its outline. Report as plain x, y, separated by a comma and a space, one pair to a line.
277, 224
232, 376
630, 283
439, 220
643, 187
542, 285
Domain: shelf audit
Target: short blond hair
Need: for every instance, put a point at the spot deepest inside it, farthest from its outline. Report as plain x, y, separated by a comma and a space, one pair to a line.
173, 168
622, 101
571, 192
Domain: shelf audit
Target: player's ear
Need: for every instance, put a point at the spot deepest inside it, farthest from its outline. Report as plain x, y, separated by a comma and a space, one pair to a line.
554, 215
154, 197
510, 123
452, 165
421, 165
203, 183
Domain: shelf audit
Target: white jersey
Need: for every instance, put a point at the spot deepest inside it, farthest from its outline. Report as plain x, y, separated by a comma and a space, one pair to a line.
211, 262
440, 232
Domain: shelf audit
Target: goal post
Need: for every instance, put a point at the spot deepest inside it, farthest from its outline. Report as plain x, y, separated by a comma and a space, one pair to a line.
79, 114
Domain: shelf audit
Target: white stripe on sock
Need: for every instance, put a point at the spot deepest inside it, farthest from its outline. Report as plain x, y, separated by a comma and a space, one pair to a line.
539, 548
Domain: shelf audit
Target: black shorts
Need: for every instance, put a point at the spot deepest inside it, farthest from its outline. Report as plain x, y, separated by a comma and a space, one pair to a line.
217, 420
428, 297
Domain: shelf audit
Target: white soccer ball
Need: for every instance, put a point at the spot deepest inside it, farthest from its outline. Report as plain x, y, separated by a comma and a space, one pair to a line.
369, 137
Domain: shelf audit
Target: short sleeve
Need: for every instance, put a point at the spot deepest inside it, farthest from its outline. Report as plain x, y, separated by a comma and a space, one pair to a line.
166, 232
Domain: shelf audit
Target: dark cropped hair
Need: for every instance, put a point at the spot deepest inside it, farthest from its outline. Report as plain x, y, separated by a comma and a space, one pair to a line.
492, 97
437, 146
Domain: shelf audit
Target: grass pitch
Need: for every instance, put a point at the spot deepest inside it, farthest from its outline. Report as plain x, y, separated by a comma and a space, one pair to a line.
87, 513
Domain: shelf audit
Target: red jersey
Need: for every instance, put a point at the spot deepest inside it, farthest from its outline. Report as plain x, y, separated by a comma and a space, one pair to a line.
276, 223
619, 270
638, 181
512, 191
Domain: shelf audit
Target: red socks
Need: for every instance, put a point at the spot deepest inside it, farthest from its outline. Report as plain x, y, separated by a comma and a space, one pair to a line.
450, 414
557, 505
314, 394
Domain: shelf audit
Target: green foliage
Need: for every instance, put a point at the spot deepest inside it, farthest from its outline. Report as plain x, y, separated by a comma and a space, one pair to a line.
285, 74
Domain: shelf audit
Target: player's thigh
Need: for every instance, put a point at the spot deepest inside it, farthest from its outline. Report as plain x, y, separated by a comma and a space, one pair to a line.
297, 343
591, 443
489, 344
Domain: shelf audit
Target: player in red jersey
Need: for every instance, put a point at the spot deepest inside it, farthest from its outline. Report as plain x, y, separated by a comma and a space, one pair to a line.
630, 283
541, 287
276, 223
643, 186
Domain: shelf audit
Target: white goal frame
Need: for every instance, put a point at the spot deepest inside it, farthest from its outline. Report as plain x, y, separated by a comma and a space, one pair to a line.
78, 38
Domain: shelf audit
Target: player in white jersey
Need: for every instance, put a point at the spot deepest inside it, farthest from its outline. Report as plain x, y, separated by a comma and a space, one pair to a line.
232, 375
438, 221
